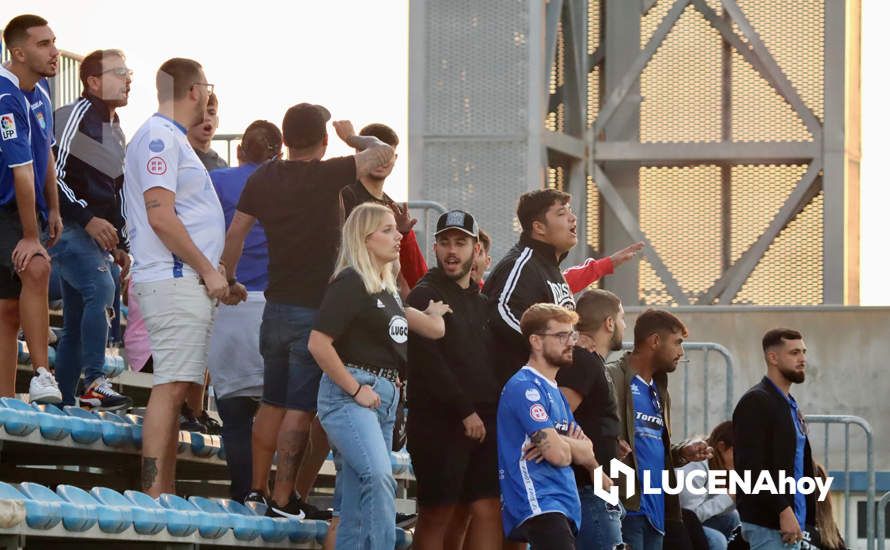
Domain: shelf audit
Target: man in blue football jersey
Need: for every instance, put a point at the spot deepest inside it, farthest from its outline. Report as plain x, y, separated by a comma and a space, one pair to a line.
28, 199
538, 439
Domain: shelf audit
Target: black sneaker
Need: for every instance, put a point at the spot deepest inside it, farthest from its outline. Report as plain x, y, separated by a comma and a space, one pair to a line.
211, 426
314, 512
405, 521
293, 509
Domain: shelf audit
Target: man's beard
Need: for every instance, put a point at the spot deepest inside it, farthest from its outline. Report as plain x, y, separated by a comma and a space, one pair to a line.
557, 359
794, 376
615, 342
464, 269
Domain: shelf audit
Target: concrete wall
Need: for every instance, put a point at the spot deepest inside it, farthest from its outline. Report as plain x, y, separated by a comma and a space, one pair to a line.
849, 355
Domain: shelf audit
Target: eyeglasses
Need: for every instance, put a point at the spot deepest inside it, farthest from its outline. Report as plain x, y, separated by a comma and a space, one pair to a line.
205, 84
119, 71
563, 337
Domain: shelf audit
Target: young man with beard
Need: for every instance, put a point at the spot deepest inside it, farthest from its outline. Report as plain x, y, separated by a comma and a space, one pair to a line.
177, 231
201, 136
589, 393
770, 435
298, 203
538, 439
28, 200
639, 379
453, 393
90, 152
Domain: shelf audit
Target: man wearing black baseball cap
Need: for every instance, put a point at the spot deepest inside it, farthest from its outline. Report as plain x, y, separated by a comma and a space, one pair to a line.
453, 395
298, 202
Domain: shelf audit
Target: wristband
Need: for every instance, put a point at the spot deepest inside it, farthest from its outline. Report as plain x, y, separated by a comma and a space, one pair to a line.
233, 281
360, 386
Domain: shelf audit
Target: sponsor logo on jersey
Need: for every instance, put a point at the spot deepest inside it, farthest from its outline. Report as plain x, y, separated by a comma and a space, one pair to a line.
156, 145
532, 394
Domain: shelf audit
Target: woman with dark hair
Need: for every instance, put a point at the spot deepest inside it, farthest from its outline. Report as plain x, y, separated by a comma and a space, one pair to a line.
827, 536
716, 513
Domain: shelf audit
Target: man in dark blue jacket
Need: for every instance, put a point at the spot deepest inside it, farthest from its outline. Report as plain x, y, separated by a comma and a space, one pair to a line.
89, 162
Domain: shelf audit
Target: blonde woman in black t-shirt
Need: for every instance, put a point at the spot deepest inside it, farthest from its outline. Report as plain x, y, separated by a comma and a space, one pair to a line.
360, 342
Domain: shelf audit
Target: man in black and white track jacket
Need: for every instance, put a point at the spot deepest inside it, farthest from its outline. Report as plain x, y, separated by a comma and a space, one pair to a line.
530, 274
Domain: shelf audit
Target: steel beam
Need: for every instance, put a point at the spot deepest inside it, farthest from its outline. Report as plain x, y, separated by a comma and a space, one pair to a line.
728, 285
632, 226
659, 154
766, 65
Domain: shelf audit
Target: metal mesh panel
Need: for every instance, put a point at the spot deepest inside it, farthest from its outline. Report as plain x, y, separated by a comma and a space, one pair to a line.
794, 34
790, 272
681, 86
757, 194
477, 84
484, 178
556, 177
680, 213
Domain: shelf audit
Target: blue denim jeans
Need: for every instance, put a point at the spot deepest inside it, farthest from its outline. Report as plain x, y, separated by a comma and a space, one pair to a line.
725, 522
291, 375
764, 538
363, 439
88, 297
639, 534
600, 522
237, 415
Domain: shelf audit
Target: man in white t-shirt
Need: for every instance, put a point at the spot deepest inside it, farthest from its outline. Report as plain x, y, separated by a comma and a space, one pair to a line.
177, 231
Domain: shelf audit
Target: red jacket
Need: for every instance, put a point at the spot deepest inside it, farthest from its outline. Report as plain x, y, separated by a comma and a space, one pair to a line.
582, 276
413, 266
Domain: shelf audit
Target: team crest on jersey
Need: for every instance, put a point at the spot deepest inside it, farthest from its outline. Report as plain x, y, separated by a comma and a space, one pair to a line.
538, 413
398, 329
40, 120
634, 389
156, 166
156, 145
7, 127
562, 295
532, 394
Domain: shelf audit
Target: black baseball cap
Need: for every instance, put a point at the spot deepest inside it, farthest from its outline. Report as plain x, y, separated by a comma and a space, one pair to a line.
460, 220
305, 125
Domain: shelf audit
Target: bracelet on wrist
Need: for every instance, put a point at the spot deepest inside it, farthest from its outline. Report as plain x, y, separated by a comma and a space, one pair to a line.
233, 282
360, 386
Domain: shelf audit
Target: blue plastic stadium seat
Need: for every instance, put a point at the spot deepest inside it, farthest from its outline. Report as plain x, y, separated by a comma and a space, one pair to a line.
38, 514
24, 357
86, 427
180, 523
146, 521
305, 530
221, 453
112, 519
75, 517
51, 355
135, 422
404, 539
204, 445
271, 529
321, 531
400, 462
53, 423
243, 526
116, 432
113, 367
17, 417
210, 526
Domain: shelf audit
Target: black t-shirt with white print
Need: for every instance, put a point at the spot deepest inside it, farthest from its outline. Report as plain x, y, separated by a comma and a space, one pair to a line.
368, 329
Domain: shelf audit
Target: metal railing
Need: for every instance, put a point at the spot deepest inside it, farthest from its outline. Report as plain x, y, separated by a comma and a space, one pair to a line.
882, 521
706, 349
847, 421
425, 228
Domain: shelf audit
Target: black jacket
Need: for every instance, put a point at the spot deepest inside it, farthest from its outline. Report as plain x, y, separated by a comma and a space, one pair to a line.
529, 274
764, 439
89, 151
454, 374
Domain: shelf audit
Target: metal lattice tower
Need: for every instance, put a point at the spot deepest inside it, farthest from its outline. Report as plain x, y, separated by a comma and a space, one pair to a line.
724, 133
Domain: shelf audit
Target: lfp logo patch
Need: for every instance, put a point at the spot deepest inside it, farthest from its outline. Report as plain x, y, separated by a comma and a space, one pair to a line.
7, 127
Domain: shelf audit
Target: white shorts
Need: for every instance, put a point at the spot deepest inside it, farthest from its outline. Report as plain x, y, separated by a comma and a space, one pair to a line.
178, 314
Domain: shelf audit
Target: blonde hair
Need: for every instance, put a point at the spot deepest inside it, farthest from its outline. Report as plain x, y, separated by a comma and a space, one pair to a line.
362, 222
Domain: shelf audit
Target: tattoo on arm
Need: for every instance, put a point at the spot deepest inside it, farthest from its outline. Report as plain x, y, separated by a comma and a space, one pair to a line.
540, 440
149, 472
153, 203
373, 157
363, 142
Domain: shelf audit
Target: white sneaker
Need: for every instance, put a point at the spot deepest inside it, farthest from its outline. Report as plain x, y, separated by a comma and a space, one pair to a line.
44, 388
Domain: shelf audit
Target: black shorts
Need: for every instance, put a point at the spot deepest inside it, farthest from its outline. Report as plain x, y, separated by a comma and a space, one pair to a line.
451, 468
550, 531
10, 235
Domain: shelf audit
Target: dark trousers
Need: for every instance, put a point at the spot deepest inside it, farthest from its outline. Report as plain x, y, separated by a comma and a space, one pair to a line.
237, 415
550, 531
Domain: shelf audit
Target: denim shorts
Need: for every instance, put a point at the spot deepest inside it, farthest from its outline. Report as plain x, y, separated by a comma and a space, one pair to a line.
291, 375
